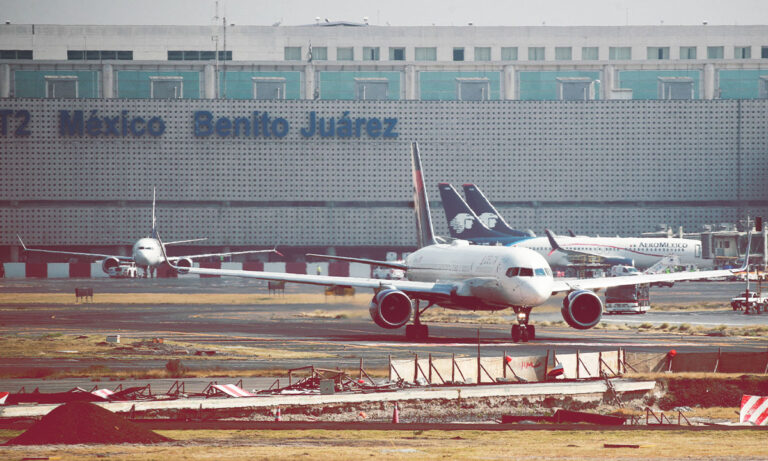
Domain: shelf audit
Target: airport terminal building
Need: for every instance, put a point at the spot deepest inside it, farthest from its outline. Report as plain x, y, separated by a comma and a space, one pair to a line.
299, 136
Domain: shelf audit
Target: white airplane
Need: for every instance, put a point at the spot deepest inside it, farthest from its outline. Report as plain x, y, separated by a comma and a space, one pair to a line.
146, 252
580, 251
461, 276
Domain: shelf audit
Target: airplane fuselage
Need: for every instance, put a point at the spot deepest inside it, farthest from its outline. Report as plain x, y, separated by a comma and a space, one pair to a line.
644, 251
485, 277
146, 252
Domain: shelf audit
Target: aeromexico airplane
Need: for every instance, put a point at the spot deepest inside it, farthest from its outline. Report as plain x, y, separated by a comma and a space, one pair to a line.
467, 277
146, 252
581, 251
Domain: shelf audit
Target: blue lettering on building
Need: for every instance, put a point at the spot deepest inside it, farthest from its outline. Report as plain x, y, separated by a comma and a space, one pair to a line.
265, 125
20, 128
260, 124
74, 123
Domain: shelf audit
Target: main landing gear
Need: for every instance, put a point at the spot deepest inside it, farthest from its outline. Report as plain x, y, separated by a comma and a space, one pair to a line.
522, 332
417, 331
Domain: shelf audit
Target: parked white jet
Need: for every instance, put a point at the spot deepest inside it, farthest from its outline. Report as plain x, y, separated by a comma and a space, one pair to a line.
146, 252
467, 277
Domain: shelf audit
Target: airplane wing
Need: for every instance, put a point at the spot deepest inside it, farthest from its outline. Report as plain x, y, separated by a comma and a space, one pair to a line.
585, 258
208, 255
608, 282
75, 253
372, 262
420, 290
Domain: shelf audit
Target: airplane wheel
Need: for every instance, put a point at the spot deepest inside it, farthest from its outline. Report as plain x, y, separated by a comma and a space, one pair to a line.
516, 333
524, 336
531, 332
416, 332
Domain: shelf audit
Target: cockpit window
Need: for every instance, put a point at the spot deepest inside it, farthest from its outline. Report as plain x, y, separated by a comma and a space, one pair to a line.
526, 272
540, 272
513, 271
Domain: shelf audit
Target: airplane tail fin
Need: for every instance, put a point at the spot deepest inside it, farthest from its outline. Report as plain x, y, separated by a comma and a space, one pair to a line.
154, 221
463, 223
424, 229
488, 214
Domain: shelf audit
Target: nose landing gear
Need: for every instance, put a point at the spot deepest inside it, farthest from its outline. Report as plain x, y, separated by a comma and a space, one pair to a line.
522, 332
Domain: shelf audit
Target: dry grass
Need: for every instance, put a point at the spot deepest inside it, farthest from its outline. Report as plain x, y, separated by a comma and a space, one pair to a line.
711, 306
426, 445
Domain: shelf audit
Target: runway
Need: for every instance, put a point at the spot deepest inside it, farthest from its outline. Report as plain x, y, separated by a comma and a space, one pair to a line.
344, 340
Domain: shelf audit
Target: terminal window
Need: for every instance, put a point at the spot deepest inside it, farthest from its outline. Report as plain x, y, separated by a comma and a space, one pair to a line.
687, 52
292, 53
371, 88
15, 54
426, 53
536, 53
742, 52
60, 86
397, 54
575, 89
268, 88
458, 54
590, 53
509, 53
482, 53
620, 53
80, 55
192, 55
472, 89
763, 90
370, 53
166, 87
563, 53
658, 52
675, 88
346, 53
715, 52
320, 53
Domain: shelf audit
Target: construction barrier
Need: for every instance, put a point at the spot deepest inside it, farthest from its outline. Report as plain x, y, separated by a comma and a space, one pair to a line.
754, 410
505, 368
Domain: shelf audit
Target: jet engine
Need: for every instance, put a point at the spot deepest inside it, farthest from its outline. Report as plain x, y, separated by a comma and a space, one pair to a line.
109, 263
391, 309
183, 265
582, 309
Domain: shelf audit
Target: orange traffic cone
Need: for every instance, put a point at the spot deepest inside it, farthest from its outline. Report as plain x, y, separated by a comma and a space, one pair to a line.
395, 415
277, 414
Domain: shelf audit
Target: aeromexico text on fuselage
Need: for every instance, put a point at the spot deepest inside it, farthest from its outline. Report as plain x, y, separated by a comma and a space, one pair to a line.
644, 251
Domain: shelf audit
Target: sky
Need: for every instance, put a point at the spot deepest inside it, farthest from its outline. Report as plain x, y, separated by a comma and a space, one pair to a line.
389, 12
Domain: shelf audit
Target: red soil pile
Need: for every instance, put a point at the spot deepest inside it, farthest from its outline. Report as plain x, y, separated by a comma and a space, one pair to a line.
84, 422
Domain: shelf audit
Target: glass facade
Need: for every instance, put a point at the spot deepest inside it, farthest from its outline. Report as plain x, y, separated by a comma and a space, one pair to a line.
645, 83
544, 86
344, 85
445, 86
39, 84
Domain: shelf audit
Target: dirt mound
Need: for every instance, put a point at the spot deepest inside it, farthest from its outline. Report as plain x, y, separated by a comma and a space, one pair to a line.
83, 422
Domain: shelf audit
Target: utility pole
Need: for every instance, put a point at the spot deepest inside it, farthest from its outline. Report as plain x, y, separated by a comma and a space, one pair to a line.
215, 38
224, 63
